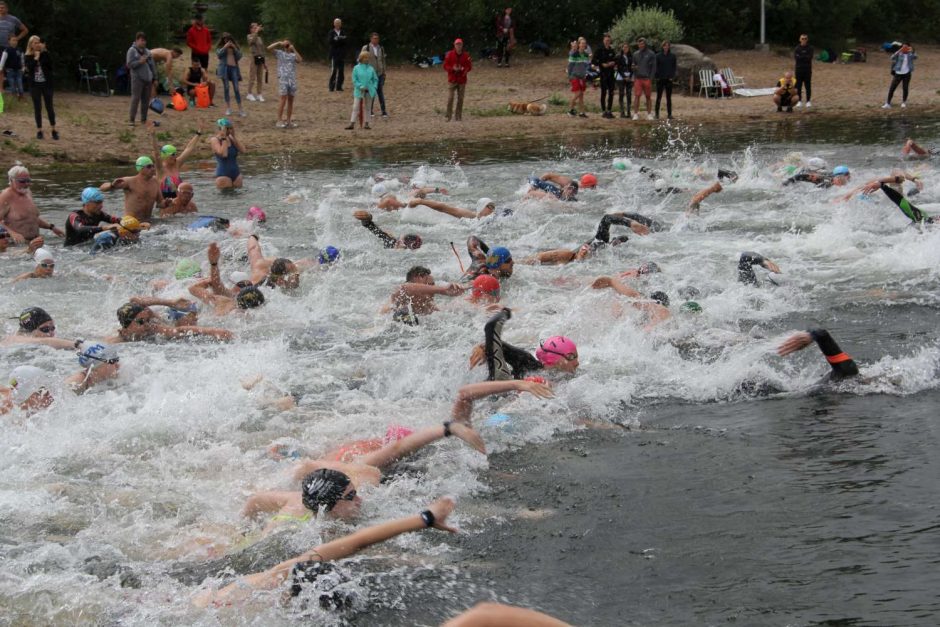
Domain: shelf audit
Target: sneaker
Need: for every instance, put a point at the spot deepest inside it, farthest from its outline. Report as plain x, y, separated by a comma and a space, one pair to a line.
281, 125
572, 112
132, 123
636, 116
385, 117
251, 97
242, 114
228, 112
292, 124
499, 65
582, 115
260, 98
55, 135
669, 117
649, 116
904, 105
886, 105
799, 104
809, 103
623, 115
368, 128
350, 127
39, 135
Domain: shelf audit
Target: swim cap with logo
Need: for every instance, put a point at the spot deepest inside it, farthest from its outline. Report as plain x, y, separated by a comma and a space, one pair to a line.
98, 354
328, 255
323, 487
554, 349
142, 162
92, 194
26, 381
497, 257
249, 298
32, 318
127, 312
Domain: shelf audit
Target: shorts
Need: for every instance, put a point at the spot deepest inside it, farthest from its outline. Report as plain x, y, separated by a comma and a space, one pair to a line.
578, 85
202, 58
642, 87
287, 87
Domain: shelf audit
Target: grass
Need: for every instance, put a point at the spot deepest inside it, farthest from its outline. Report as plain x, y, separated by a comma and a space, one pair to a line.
494, 112
164, 136
126, 136
557, 100
31, 149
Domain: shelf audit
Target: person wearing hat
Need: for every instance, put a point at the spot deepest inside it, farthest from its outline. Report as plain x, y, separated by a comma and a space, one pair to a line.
497, 261
169, 162
222, 299
457, 64
19, 214
409, 240
45, 267
37, 327
82, 225
141, 192
225, 149
139, 322
27, 389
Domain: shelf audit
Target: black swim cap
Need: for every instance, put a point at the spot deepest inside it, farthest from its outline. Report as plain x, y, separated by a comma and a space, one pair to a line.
33, 318
412, 241
660, 297
127, 313
323, 577
323, 487
249, 298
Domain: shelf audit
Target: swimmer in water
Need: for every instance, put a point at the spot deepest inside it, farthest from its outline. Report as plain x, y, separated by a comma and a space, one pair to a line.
746, 263
99, 363
140, 323
840, 176
141, 192
180, 311
214, 293
641, 225
911, 150
409, 241
298, 568
37, 327
500, 615
655, 307
557, 186
81, 226
697, 199
389, 202
485, 290
415, 297
274, 272
841, 364
45, 267
19, 214
485, 207
895, 181
170, 161
463, 406
182, 201
332, 485
505, 361
498, 261
27, 389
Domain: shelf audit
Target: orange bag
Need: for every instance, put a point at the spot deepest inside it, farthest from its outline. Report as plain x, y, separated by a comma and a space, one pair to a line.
202, 95
179, 103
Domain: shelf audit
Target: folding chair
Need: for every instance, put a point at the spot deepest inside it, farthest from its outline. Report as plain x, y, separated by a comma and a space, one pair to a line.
732, 80
707, 83
89, 71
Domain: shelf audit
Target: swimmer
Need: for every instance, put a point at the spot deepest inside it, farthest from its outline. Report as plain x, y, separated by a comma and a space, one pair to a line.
498, 261
637, 223
99, 363
505, 361
27, 389
659, 183
409, 240
169, 162
911, 150
840, 175
332, 485
746, 263
913, 213
434, 516
213, 292
81, 226
180, 311
484, 208
895, 181
655, 307
650, 267
462, 410
225, 148
141, 192
485, 290
182, 201
842, 365
389, 202
415, 297
499, 615
45, 267
139, 322
554, 185
36, 326
127, 233
19, 214
272, 271
697, 199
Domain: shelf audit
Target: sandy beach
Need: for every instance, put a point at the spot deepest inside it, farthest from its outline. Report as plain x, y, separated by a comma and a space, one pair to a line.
94, 129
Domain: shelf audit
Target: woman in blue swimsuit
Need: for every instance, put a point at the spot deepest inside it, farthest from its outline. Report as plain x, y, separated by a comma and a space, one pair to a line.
226, 148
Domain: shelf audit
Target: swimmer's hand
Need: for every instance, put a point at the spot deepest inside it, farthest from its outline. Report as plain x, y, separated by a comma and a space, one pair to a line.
477, 356
540, 390
454, 289
214, 253
362, 216
639, 228
442, 508
603, 282
468, 435
414, 202
770, 265
871, 186
494, 308
795, 342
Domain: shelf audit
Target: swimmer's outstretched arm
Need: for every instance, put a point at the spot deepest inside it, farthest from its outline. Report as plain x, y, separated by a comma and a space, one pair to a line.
702, 195
337, 549
266, 502
842, 365
190, 331
420, 289
616, 285
471, 392
153, 301
746, 271
499, 615
365, 218
418, 440
553, 257
558, 179
441, 207
913, 213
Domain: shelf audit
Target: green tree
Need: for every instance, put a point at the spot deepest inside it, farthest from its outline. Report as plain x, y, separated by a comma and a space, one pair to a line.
644, 21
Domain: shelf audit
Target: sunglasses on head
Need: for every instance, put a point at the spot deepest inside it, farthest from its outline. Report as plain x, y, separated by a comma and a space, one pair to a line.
567, 356
46, 329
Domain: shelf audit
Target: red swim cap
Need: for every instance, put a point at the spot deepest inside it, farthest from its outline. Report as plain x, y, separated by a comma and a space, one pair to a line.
485, 285
588, 180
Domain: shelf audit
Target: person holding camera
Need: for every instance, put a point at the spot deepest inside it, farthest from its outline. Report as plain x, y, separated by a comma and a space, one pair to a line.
229, 55
143, 72
258, 66
902, 66
287, 58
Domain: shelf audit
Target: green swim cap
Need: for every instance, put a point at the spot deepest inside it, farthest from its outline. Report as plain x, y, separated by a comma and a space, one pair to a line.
691, 307
143, 162
187, 269
223, 122
168, 150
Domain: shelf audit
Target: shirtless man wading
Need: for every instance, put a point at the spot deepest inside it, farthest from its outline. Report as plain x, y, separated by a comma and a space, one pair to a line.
19, 214
141, 192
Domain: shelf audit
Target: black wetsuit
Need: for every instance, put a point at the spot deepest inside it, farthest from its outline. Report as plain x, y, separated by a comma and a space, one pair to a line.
81, 227
387, 240
912, 212
842, 365
809, 176
505, 361
624, 219
478, 265
745, 269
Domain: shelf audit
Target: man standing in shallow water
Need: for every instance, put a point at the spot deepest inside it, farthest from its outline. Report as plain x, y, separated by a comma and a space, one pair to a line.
19, 213
141, 192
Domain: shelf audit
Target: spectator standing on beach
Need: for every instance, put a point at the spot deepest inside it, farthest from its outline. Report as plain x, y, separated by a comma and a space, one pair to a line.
457, 64
287, 58
143, 72
10, 25
377, 60
579, 61
505, 37
11, 66
666, 69
902, 66
337, 42
257, 67
365, 81
644, 69
803, 70
625, 77
229, 55
199, 40
605, 60
39, 70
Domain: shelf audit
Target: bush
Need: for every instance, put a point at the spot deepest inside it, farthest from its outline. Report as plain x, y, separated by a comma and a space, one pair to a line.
650, 22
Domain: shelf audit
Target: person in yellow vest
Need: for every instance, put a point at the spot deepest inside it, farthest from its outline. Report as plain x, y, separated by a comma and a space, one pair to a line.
785, 94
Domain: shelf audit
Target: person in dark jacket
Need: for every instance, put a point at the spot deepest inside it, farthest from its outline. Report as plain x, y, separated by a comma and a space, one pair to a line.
82, 225
39, 71
605, 60
644, 69
666, 69
337, 41
624, 77
143, 72
803, 70
505, 37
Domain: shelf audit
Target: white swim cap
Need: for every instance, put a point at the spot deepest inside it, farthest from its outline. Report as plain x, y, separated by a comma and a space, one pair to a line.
237, 277
379, 189
817, 164
660, 183
26, 381
43, 254
483, 203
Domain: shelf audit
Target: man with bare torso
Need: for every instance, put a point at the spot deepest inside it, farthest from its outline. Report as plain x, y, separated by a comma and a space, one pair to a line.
19, 213
183, 203
167, 57
141, 192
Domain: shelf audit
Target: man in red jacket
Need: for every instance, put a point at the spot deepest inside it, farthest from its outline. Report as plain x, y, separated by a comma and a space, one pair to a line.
199, 40
457, 63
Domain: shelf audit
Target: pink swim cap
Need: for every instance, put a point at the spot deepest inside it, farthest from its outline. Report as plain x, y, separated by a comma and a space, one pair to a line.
257, 213
554, 349
394, 433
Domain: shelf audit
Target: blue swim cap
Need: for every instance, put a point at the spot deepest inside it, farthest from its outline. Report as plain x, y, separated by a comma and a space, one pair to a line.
92, 194
840, 170
496, 420
328, 255
103, 241
497, 257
